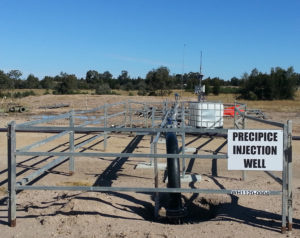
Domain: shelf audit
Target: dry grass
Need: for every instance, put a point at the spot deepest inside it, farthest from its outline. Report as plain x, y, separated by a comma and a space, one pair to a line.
274, 105
267, 105
75, 183
3, 190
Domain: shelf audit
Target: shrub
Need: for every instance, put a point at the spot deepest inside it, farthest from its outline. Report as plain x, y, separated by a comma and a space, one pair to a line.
142, 92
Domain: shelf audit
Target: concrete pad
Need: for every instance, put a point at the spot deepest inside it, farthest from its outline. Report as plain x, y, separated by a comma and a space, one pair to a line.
190, 149
160, 166
189, 178
161, 141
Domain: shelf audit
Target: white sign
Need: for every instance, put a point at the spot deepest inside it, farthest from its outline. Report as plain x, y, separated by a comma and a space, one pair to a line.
255, 150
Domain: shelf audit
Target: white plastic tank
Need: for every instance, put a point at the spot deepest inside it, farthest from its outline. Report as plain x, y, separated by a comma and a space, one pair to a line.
206, 114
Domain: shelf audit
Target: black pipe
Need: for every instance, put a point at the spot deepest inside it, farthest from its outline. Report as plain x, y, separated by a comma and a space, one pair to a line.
175, 208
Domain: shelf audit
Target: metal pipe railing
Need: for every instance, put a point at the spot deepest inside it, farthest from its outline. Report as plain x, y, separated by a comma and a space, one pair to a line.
286, 191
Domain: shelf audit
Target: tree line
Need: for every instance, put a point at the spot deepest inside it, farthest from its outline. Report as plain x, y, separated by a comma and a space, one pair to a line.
278, 84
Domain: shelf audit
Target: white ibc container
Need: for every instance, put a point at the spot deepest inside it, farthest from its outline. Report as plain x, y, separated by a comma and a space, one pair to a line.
206, 114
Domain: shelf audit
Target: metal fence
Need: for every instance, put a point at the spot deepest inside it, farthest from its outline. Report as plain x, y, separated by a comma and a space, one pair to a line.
131, 117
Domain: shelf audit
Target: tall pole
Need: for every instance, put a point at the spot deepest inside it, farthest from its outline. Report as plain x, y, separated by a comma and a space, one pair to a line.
71, 143
183, 54
11, 161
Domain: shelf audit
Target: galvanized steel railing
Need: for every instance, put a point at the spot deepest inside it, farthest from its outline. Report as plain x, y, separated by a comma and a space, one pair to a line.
155, 131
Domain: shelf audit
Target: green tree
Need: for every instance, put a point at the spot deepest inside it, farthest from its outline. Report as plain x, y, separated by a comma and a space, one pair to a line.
107, 77
125, 81
48, 82
279, 84
67, 85
159, 80
234, 81
103, 89
32, 82
15, 78
93, 79
124, 77
216, 86
5, 81
14, 74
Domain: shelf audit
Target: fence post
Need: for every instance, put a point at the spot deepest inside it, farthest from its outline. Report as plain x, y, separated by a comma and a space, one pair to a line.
11, 161
243, 127
71, 144
284, 180
153, 124
125, 113
183, 139
156, 207
105, 125
289, 175
234, 115
153, 117
146, 115
237, 127
130, 115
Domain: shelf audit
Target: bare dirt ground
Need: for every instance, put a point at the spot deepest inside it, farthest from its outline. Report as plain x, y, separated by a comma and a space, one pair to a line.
93, 214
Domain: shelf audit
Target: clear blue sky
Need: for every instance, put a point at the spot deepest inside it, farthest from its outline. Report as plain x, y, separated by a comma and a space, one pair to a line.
45, 37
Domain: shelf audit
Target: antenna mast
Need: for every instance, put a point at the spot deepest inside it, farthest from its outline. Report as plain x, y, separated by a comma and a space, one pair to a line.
200, 90
183, 54
200, 62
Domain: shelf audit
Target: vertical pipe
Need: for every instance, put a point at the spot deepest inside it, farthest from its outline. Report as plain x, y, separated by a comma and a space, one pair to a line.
165, 109
156, 199
289, 172
71, 143
147, 111
183, 139
11, 161
234, 115
175, 204
151, 145
236, 127
284, 185
151, 151
243, 127
105, 125
153, 117
125, 113
130, 115
167, 105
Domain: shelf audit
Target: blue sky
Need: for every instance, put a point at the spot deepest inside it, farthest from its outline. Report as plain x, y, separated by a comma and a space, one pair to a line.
45, 37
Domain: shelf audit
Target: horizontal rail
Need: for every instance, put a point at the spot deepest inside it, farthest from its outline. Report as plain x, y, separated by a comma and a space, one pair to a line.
89, 111
115, 114
101, 118
146, 103
30, 123
42, 142
45, 141
149, 190
99, 108
273, 123
54, 163
40, 171
140, 155
114, 129
240, 103
87, 141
